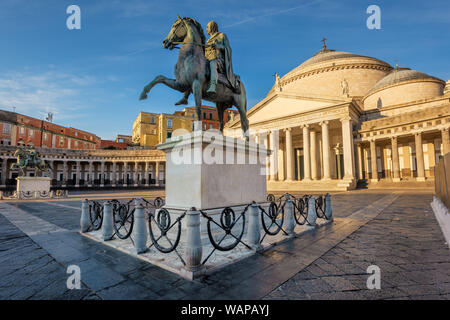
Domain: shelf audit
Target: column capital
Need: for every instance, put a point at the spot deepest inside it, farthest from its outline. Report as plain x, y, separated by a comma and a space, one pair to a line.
446, 129
287, 129
345, 118
324, 122
305, 126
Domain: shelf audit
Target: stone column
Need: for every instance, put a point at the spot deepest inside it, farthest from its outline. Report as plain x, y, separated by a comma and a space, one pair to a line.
91, 174
395, 160
289, 155
313, 145
266, 146
54, 171
102, 174
4, 168
114, 174
373, 161
135, 173
326, 150
445, 141
273, 163
347, 142
147, 182
157, 173
125, 172
419, 157
306, 153
64, 182
77, 179
257, 137
359, 159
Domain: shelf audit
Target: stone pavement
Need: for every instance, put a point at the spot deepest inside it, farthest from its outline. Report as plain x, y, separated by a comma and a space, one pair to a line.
396, 231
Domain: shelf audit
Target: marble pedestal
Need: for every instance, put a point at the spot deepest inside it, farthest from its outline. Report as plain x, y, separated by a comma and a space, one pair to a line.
36, 187
206, 170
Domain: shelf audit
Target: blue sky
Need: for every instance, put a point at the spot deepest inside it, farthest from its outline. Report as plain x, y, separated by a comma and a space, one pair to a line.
91, 78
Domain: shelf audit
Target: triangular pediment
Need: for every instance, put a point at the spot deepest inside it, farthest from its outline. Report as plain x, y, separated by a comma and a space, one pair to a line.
284, 105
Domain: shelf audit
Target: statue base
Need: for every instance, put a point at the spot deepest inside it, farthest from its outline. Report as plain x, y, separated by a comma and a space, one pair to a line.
33, 187
206, 170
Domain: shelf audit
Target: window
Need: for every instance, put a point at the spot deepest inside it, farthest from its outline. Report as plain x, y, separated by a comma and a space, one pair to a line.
204, 126
169, 134
76, 143
31, 133
204, 115
210, 116
45, 135
153, 119
6, 128
193, 116
76, 134
169, 123
22, 130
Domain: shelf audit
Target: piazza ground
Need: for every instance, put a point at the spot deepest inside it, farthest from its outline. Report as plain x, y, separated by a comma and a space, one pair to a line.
393, 229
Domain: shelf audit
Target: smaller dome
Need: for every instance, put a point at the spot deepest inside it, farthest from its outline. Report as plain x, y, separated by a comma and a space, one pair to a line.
399, 75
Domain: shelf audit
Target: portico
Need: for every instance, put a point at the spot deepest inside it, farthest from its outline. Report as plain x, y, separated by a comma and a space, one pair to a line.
339, 118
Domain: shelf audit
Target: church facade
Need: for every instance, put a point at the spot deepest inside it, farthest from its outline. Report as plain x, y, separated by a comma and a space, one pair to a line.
340, 117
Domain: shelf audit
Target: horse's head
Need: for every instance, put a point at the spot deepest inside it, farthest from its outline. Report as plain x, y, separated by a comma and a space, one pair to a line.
179, 31
19, 153
177, 34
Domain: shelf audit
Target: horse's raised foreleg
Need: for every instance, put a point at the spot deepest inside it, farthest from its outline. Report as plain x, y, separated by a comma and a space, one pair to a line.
171, 83
184, 100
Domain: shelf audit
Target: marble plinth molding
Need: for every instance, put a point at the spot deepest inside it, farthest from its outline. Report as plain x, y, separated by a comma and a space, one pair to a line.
206, 170
33, 187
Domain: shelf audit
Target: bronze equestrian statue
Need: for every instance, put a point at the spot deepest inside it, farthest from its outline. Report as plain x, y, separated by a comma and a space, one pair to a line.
27, 158
204, 70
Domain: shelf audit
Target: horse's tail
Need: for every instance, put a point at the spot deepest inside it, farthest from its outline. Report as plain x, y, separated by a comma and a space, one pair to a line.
243, 96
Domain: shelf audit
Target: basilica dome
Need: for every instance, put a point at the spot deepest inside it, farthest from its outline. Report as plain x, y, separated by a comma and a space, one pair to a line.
403, 85
325, 73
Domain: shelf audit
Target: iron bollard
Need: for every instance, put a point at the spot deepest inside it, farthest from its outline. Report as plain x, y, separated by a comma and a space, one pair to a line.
289, 222
84, 220
328, 210
140, 229
254, 228
312, 214
107, 225
193, 242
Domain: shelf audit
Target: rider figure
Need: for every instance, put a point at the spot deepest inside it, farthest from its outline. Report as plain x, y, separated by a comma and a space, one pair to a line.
218, 52
32, 156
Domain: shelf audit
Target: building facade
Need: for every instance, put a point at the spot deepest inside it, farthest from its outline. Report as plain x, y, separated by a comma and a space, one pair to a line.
340, 117
92, 168
21, 130
150, 129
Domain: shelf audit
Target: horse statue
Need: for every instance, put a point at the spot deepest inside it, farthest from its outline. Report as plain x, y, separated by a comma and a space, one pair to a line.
27, 158
192, 74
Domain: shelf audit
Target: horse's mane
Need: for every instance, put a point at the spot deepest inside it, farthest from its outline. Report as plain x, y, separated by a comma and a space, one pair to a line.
199, 28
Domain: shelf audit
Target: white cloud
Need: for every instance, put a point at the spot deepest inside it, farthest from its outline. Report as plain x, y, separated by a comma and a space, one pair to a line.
36, 94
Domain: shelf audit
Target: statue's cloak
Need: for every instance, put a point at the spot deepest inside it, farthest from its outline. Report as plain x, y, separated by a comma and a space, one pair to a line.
222, 43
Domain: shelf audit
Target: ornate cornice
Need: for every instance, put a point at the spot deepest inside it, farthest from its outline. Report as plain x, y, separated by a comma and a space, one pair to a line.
298, 76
